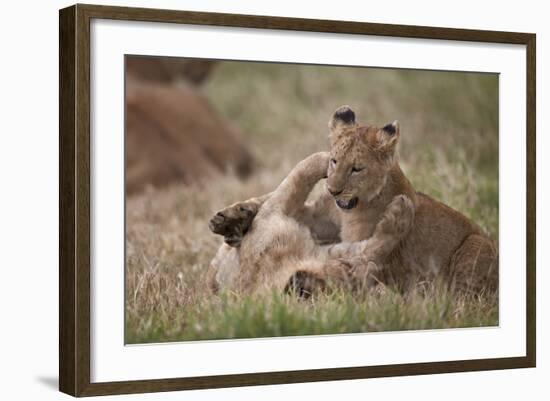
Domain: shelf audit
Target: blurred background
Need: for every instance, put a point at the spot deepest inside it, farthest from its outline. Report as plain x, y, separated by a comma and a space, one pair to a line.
203, 134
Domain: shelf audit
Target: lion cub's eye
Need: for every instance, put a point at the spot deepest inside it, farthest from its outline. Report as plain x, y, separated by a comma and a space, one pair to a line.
356, 169
333, 161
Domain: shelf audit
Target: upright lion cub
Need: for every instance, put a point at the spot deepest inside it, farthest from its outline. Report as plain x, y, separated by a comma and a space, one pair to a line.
364, 178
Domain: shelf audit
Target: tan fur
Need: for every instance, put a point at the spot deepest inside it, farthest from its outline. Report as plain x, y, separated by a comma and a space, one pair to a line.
173, 134
279, 250
169, 69
442, 242
365, 179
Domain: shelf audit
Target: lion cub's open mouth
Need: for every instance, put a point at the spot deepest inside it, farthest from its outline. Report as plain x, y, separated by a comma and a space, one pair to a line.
347, 204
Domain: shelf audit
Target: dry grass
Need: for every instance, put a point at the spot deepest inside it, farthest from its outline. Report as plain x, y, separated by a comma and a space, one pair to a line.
449, 150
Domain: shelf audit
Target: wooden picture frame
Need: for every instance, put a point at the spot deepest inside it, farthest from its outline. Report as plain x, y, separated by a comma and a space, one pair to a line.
74, 199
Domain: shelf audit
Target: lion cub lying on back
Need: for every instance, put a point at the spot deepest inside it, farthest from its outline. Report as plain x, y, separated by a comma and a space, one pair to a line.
279, 251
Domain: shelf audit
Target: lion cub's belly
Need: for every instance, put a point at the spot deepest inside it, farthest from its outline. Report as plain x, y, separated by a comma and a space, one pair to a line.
276, 236
272, 249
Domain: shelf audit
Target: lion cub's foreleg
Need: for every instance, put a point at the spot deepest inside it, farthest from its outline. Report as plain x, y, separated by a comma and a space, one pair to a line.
234, 221
358, 264
289, 197
366, 258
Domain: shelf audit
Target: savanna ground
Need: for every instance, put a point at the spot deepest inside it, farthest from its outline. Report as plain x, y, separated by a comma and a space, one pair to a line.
449, 150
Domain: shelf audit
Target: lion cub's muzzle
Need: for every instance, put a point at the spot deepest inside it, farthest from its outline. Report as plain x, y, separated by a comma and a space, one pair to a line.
347, 204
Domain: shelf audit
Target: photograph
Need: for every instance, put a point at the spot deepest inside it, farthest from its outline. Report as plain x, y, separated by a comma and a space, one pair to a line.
264, 199
269, 199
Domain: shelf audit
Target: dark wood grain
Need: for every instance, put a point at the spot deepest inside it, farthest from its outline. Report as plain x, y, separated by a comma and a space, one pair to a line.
74, 205
67, 272
301, 24
82, 200
74, 199
300, 376
531, 228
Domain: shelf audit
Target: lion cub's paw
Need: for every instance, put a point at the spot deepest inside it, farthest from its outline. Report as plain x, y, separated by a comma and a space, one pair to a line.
398, 217
233, 222
365, 275
304, 284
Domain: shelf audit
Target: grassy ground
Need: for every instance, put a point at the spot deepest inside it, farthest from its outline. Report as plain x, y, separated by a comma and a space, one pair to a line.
449, 150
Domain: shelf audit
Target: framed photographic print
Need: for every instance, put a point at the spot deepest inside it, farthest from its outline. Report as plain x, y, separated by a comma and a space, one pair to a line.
250, 200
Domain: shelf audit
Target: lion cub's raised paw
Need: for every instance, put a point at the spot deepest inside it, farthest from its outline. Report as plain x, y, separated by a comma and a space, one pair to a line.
398, 217
233, 222
368, 256
304, 284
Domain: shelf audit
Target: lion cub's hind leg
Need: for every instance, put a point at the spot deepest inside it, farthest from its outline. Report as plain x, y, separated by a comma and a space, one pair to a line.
474, 266
224, 269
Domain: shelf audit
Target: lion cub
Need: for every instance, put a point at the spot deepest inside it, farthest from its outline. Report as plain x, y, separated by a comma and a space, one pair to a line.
364, 178
279, 250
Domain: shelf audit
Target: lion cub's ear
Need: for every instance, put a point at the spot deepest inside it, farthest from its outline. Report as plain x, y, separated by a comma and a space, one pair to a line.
342, 119
387, 138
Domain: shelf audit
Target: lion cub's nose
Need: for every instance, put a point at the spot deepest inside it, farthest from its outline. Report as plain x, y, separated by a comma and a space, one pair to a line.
335, 193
